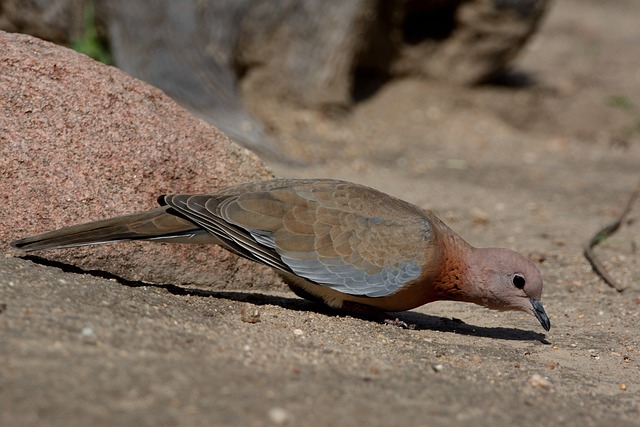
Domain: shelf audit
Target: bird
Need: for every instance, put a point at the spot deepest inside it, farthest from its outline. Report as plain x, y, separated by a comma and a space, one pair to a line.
337, 243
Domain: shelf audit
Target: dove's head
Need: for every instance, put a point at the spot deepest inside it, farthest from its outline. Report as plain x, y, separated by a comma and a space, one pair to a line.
505, 280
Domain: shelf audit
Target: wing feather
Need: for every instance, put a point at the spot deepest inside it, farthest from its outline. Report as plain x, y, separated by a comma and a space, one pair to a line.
350, 238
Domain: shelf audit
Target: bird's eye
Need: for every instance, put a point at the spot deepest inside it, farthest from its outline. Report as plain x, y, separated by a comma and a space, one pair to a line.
518, 281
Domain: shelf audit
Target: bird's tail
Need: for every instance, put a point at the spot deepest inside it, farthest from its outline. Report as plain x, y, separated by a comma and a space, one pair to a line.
157, 224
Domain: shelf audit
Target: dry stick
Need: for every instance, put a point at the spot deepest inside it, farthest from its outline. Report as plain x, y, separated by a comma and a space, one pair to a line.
604, 234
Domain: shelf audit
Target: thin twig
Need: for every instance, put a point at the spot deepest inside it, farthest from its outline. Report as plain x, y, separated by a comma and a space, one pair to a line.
602, 235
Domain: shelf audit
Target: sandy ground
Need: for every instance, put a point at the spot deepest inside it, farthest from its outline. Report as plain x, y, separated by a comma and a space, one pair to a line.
537, 164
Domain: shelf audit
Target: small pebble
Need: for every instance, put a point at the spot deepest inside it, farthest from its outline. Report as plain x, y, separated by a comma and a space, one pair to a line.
438, 368
279, 415
88, 332
89, 336
538, 381
537, 256
479, 217
250, 314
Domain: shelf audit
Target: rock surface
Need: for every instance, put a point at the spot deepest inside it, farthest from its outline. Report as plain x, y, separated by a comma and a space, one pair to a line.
82, 141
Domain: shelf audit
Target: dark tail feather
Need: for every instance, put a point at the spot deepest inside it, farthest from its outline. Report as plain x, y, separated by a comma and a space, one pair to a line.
157, 224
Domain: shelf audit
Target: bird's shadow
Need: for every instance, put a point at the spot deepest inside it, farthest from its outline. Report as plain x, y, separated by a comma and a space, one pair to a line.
417, 321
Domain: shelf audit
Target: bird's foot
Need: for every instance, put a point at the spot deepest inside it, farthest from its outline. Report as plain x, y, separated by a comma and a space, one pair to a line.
373, 313
398, 322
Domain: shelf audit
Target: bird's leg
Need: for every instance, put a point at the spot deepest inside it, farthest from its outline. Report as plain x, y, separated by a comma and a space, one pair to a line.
373, 313
355, 309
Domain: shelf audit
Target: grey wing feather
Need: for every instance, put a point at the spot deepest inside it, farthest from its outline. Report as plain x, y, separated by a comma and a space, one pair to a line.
351, 280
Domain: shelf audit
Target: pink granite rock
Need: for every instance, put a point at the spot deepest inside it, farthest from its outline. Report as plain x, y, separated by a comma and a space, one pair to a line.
81, 141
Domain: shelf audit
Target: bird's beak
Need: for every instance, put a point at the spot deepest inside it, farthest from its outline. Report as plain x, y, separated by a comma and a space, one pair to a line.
541, 315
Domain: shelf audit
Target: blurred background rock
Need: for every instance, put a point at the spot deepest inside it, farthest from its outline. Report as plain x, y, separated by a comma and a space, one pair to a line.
318, 55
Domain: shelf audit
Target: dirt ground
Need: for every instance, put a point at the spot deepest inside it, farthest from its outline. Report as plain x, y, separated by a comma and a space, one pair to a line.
537, 162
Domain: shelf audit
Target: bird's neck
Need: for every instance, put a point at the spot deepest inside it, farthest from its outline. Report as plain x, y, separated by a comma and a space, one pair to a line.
453, 282
462, 275
474, 289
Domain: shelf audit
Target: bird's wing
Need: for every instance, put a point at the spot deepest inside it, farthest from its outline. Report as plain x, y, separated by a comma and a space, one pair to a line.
350, 238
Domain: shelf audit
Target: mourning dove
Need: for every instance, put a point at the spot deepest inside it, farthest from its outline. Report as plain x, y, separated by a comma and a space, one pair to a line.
342, 244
